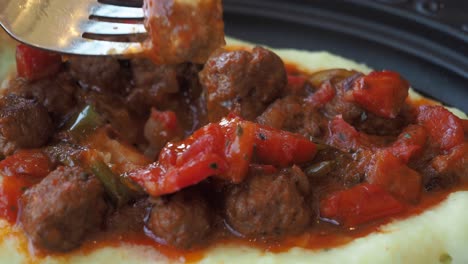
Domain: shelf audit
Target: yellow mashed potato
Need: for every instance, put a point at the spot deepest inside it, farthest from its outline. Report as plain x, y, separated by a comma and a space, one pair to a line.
439, 235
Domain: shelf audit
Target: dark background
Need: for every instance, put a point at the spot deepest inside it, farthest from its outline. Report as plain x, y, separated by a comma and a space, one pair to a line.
426, 41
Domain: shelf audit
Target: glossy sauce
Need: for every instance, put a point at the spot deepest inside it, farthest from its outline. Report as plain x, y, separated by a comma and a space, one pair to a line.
321, 235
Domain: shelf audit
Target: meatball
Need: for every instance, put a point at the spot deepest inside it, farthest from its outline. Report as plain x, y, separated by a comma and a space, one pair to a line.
62, 209
23, 124
153, 85
242, 82
269, 205
98, 72
289, 113
182, 31
181, 220
57, 93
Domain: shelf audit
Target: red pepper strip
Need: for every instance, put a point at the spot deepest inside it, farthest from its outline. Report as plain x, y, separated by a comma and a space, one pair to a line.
282, 148
197, 169
34, 64
361, 204
239, 148
382, 93
20, 171
392, 174
224, 150
409, 143
444, 128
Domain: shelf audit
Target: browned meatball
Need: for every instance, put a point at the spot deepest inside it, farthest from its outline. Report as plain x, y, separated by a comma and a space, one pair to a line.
102, 73
57, 93
181, 220
23, 124
269, 205
291, 114
242, 82
153, 85
62, 209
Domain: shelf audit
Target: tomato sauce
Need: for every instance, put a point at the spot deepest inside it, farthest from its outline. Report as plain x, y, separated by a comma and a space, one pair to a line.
320, 236
24, 169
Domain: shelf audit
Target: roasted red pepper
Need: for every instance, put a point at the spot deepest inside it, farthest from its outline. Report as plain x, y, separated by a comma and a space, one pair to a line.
33, 64
361, 204
392, 174
409, 143
225, 150
382, 93
444, 128
282, 148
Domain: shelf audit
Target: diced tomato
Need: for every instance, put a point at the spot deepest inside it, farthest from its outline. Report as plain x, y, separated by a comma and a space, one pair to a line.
444, 128
34, 64
323, 95
11, 189
361, 204
410, 143
392, 174
26, 162
282, 148
381, 92
455, 162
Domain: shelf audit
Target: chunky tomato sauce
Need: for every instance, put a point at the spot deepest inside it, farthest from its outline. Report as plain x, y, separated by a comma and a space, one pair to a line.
243, 149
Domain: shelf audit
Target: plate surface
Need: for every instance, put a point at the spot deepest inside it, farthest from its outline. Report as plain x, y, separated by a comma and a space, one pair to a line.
436, 64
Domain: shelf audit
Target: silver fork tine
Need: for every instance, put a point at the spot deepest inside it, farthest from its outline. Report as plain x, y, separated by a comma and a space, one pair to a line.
59, 25
99, 47
111, 28
113, 11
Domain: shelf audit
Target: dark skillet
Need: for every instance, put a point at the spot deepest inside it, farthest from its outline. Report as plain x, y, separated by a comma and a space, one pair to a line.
426, 41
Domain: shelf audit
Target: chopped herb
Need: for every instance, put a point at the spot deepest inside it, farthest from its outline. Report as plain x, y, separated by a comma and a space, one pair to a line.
24, 188
261, 136
214, 166
445, 258
239, 131
245, 157
227, 143
406, 135
13, 208
363, 116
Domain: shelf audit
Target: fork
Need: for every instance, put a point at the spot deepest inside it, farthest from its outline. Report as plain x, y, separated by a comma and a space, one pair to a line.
68, 26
